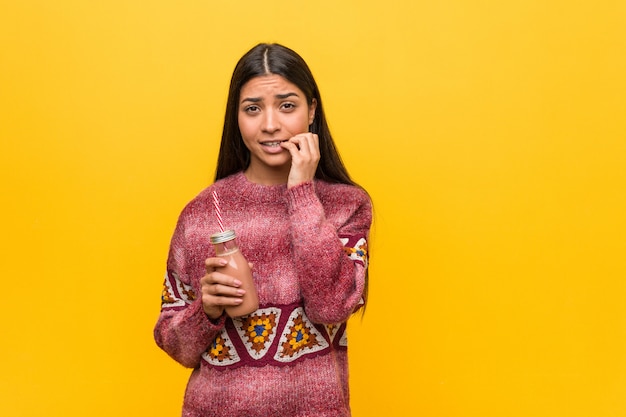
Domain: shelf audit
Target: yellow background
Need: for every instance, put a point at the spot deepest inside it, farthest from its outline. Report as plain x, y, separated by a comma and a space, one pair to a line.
491, 136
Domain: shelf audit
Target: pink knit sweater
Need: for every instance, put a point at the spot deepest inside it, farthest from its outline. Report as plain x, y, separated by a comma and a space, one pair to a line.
289, 358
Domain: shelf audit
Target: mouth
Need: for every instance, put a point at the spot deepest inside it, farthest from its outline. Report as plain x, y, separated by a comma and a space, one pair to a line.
273, 144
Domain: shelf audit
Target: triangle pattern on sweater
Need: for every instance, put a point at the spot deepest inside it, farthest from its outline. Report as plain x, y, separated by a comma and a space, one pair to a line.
258, 330
221, 351
300, 337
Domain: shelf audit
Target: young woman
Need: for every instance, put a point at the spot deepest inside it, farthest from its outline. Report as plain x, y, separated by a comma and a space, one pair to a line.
303, 225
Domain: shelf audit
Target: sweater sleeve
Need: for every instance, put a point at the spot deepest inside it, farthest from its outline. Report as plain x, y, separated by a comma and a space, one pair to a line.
183, 330
331, 259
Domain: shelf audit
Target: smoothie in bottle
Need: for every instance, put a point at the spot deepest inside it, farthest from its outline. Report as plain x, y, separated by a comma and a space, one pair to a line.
237, 267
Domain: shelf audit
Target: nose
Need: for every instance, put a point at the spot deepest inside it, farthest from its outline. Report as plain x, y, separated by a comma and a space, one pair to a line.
271, 122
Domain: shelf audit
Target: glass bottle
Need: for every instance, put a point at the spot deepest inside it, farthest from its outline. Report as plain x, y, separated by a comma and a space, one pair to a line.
237, 267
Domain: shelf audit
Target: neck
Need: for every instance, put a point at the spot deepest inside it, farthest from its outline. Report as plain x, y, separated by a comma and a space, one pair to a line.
275, 176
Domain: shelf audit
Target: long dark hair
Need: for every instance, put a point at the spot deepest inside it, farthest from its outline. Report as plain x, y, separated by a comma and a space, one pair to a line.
265, 59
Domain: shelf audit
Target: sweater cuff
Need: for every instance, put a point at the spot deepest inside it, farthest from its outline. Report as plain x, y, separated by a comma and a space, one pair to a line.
302, 195
199, 318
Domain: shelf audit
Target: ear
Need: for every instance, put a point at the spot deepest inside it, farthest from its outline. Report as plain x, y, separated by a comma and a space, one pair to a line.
312, 109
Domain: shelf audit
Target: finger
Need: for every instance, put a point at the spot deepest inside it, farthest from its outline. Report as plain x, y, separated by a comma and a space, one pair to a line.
217, 277
211, 264
214, 306
299, 149
309, 145
292, 147
219, 301
308, 142
315, 140
223, 290
303, 144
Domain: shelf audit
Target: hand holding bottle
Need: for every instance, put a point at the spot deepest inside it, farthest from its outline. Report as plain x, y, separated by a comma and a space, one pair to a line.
219, 289
228, 284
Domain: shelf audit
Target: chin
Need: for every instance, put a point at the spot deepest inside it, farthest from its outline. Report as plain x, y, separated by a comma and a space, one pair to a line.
278, 161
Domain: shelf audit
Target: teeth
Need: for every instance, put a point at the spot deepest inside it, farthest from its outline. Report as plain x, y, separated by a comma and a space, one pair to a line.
272, 143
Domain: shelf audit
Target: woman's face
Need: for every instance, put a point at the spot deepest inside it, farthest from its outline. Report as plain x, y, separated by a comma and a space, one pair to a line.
271, 110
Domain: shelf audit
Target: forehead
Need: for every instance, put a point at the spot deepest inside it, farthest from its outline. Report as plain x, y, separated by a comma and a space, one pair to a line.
268, 85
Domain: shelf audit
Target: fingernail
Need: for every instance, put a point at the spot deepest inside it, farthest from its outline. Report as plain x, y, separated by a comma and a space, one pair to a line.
223, 262
241, 292
237, 283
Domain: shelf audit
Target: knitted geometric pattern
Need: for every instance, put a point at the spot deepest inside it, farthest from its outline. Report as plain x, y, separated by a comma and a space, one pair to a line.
275, 335
308, 247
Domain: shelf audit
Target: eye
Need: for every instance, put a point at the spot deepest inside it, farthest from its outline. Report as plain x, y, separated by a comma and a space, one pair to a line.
288, 106
251, 109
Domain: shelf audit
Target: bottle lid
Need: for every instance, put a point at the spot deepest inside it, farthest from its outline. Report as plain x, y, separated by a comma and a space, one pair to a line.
222, 237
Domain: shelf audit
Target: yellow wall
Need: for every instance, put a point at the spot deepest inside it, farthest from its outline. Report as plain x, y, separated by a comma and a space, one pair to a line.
492, 138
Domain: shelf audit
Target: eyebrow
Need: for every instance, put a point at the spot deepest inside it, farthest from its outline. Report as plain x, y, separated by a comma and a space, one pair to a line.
278, 96
283, 96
